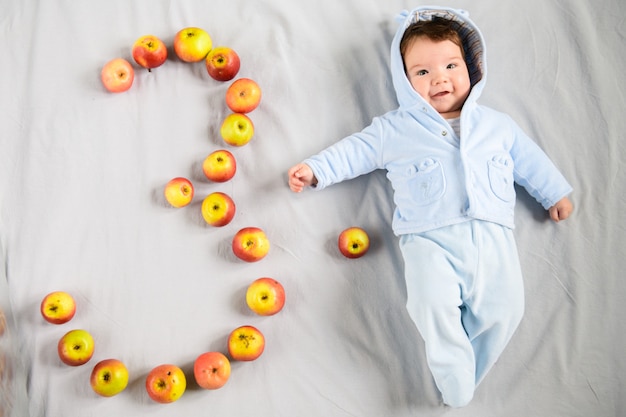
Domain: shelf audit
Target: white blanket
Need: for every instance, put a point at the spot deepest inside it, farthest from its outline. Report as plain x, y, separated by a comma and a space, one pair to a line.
82, 173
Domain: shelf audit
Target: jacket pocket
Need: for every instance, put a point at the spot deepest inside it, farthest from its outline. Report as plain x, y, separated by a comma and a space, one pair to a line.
501, 178
426, 182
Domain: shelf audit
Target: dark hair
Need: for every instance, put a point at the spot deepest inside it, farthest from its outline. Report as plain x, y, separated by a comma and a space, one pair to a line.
437, 30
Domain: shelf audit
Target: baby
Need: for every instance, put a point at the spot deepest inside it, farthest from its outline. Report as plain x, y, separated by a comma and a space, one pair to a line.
452, 164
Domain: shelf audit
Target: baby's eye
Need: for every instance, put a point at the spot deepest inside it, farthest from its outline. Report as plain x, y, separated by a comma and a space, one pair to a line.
451, 66
421, 72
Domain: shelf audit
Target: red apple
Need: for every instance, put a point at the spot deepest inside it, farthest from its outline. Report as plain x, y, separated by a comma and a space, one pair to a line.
245, 343
76, 347
109, 377
219, 166
58, 307
166, 383
179, 192
353, 242
149, 51
117, 75
265, 296
218, 209
192, 44
237, 129
243, 95
222, 63
250, 244
211, 370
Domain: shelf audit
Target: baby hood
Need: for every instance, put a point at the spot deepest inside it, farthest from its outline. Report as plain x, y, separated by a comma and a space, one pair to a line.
473, 43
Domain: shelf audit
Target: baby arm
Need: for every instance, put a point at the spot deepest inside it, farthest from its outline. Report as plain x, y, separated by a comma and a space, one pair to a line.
301, 176
561, 210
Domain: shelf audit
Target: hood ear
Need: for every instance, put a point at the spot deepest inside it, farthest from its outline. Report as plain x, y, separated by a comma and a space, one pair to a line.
401, 17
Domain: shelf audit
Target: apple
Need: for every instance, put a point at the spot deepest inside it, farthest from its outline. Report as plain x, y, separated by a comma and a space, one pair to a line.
149, 52
250, 244
237, 129
211, 370
179, 192
58, 307
245, 343
117, 75
76, 347
218, 209
222, 63
219, 166
166, 383
192, 44
109, 377
353, 242
265, 296
243, 95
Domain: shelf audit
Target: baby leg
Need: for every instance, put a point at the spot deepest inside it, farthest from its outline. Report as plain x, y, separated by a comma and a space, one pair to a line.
495, 305
434, 301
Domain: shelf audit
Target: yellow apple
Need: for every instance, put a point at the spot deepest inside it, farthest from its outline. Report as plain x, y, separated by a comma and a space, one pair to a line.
76, 347
192, 44
149, 52
265, 296
237, 129
109, 377
166, 383
245, 343
353, 242
58, 307
219, 166
218, 209
211, 370
117, 75
250, 244
179, 192
243, 95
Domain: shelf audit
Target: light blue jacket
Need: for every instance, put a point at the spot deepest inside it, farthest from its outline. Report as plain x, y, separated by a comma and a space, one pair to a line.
439, 179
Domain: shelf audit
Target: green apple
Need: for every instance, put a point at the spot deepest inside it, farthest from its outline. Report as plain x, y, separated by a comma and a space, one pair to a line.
237, 129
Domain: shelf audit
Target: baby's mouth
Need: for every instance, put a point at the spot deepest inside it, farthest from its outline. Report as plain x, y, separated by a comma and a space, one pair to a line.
440, 94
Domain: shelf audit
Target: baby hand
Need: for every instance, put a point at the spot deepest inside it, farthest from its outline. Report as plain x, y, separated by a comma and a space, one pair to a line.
561, 210
300, 176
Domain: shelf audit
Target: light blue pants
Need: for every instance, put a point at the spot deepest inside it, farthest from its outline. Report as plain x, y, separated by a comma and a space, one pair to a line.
466, 297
